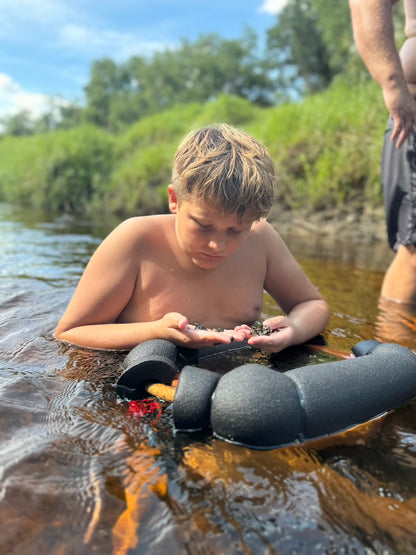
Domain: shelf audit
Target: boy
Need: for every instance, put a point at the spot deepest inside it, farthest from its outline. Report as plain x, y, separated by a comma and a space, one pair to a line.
207, 262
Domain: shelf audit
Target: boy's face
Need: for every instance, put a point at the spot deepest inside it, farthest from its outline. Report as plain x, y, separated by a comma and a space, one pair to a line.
205, 235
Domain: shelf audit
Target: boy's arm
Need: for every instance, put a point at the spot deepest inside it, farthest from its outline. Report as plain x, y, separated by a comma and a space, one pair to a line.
307, 313
103, 291
372, 22
118, 336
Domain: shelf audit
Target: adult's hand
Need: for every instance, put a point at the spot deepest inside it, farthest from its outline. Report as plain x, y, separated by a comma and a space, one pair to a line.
402, 109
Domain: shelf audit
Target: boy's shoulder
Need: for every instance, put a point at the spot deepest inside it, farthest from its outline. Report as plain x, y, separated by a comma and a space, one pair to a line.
142, 225
140, 232
265, 233
262, 227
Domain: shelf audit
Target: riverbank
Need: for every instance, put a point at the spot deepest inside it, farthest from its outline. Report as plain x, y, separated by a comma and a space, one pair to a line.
363, 225
356, 238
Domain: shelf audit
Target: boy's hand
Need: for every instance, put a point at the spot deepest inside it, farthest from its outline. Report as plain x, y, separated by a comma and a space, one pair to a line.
282, 335
181, 333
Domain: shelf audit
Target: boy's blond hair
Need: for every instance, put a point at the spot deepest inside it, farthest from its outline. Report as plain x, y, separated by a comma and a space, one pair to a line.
225, 168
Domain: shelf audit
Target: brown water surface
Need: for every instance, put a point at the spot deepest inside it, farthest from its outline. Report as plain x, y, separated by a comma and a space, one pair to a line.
79, 475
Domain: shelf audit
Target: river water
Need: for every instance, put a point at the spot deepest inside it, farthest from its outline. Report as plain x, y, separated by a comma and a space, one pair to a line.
80, 474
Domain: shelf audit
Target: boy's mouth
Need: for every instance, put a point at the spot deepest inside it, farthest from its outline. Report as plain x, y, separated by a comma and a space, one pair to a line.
212, 256
208, 259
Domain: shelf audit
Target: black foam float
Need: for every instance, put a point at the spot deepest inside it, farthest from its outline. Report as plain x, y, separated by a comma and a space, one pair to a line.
259, 407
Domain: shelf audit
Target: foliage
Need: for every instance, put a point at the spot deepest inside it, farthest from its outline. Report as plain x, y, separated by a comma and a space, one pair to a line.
138, 184
61, 114
233, 110
61, 170
193, 72
311, 43
168, 125
107, 81
18, 124
328, 147
327, 150
298, 48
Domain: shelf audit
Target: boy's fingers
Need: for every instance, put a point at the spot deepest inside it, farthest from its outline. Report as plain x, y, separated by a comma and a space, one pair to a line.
207, 336
183, 323
176, 320
220, 336
274, 342
276, 323
242, 327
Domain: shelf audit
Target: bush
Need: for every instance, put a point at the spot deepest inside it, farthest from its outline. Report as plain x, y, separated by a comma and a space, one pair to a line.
227, 109
139, 182
328, 148
164, 127
145, 153
60, 171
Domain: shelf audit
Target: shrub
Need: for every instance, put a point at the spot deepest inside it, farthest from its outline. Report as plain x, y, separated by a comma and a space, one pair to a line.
328, 147
60, 171
139, 182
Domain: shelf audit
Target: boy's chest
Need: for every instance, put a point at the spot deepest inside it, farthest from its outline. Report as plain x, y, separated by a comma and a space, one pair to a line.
226, 296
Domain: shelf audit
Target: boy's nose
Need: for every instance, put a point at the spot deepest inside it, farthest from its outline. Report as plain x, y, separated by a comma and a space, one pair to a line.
217, 245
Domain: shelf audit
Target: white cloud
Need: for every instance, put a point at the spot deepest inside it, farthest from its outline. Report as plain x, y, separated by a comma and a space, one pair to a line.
102, 42
273, 6
23, 16
14, 99
73, 26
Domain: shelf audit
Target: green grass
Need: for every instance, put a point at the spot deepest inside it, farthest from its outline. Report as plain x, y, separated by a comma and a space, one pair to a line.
327, 150
60, 171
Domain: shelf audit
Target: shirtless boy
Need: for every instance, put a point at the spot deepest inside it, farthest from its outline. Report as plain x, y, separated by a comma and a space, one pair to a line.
208, 261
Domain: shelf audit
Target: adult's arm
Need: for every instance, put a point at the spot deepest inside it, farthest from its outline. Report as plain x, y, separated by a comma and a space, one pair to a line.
372, 22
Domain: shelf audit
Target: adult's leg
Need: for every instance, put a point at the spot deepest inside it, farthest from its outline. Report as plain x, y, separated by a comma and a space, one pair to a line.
396, 322
398, 176
399, 282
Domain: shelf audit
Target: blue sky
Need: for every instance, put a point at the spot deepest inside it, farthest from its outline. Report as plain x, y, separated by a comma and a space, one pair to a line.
47, 46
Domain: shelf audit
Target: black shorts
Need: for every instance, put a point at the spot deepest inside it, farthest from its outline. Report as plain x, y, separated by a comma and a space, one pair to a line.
398, 177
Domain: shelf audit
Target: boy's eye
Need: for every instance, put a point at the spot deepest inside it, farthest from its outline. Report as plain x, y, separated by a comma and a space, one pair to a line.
205, 227
234, 232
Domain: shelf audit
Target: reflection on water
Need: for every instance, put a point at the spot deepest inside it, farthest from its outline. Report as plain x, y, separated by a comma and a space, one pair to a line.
80, 475
398, 321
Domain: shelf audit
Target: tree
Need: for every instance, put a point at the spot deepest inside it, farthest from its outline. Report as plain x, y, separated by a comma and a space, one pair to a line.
310, 43
193, 72
19, 124
204, 69
105, 81
70, 116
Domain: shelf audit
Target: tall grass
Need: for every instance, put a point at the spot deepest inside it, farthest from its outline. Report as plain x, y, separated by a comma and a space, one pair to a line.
60, 171
326, 148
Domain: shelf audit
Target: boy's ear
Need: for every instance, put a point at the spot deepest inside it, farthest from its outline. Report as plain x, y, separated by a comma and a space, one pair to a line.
173, 199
